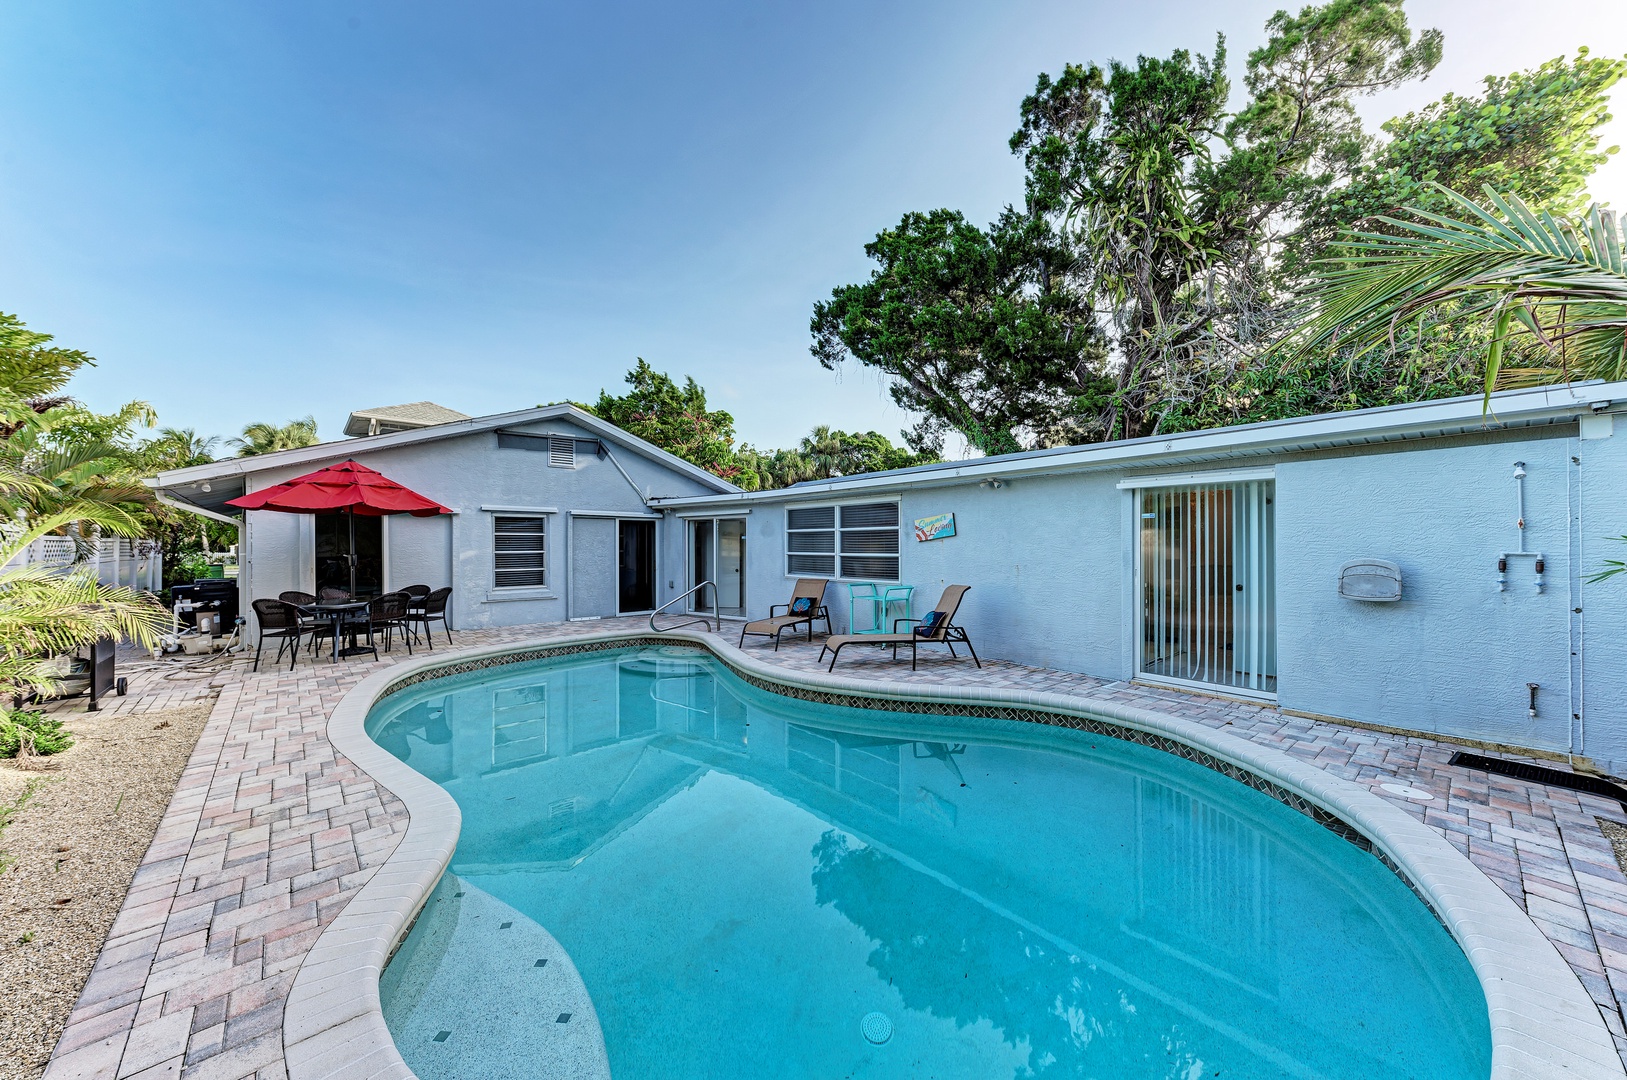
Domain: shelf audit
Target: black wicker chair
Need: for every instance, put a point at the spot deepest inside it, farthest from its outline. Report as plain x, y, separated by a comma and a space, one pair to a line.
433, 609
386, 614
278, 619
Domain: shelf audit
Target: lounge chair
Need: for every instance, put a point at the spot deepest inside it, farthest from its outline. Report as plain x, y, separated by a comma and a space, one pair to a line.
810, 594
937, 627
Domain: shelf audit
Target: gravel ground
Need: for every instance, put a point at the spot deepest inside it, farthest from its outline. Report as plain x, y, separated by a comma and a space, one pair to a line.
68, 858
1617, 835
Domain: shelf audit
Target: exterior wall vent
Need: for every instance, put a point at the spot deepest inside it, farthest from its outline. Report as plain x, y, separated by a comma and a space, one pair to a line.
561, 452
1373, 580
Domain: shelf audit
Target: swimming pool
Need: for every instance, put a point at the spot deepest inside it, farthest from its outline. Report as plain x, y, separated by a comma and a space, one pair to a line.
665, 872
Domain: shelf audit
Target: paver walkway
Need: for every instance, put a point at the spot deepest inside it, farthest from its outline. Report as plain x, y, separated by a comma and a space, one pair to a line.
270, 833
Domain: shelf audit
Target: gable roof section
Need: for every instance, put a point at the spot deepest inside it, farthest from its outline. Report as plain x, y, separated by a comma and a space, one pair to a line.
1390, 424
416, 414
207, 487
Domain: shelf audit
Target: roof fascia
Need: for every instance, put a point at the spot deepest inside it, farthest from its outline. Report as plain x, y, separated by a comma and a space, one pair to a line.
1509, 409
338, 450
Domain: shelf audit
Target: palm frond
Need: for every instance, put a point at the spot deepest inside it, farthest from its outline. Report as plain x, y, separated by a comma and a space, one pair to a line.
45, 613
1563, 283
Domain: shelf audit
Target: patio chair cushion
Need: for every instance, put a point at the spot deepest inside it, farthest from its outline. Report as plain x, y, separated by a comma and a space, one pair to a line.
930, 625
802, 605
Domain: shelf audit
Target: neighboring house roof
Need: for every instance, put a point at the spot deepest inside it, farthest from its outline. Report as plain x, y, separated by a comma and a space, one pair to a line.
388, 418
205, 488
1389, 424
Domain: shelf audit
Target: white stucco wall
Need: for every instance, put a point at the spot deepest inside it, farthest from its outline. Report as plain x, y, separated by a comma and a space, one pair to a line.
1051, 565
471, 475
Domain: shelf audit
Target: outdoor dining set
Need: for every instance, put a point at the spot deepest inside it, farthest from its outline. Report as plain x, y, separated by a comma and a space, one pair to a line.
333, 615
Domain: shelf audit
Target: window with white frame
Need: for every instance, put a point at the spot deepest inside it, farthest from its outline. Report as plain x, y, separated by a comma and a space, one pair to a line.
847, 540
521, 546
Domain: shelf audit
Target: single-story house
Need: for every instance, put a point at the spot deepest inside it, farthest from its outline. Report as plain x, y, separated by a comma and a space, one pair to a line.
552, 516
1421, 567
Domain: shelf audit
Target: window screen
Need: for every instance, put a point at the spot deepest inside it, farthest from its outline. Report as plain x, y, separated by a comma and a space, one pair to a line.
856, 541
521, 552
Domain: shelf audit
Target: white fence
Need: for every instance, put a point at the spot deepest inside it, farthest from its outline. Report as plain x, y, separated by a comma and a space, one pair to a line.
135, 564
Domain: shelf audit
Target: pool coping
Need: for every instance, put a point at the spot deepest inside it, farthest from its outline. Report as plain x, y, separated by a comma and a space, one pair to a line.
1543, 1023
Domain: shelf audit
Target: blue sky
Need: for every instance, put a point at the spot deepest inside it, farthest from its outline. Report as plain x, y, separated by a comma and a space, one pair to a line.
257, 211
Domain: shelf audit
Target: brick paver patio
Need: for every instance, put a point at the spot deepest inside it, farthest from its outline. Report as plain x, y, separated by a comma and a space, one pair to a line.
270, 834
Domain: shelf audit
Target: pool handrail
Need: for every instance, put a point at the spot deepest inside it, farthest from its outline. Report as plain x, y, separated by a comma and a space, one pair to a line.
717, 619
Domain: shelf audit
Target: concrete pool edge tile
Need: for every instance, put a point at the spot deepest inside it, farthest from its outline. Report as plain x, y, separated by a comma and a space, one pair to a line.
1529, 987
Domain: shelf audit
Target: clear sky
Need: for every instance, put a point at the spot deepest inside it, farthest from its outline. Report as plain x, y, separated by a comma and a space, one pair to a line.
257, 211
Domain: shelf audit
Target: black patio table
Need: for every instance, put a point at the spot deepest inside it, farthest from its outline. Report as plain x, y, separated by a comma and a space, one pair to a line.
338, 614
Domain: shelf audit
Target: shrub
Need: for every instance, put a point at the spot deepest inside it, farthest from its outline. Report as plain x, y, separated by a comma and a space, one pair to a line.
45, 734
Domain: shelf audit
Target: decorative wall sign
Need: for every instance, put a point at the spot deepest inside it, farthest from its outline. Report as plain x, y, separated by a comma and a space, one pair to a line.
935, 528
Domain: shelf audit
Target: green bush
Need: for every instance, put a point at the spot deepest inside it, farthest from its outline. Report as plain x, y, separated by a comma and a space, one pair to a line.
46, 733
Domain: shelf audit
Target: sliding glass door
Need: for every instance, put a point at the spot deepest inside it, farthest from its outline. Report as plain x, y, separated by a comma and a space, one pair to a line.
1207, 578
717, 553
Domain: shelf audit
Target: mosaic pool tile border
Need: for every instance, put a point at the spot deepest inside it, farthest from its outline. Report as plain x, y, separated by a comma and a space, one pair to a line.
1093, 725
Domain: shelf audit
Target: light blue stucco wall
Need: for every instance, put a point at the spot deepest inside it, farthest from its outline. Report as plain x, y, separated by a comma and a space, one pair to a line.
1050, 561
467, 473
1045, 557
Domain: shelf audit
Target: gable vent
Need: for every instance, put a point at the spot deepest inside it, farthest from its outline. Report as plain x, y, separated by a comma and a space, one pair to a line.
561, 452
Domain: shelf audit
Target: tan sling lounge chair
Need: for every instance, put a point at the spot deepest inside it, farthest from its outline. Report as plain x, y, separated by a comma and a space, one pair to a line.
937, 627
809, 594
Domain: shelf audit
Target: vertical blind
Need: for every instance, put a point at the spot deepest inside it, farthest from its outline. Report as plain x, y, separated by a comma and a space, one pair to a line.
1208, 572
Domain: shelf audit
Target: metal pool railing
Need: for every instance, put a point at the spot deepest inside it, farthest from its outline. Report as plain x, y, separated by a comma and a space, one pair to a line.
717, 619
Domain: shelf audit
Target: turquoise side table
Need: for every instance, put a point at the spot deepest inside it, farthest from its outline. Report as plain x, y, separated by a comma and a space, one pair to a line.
881, 604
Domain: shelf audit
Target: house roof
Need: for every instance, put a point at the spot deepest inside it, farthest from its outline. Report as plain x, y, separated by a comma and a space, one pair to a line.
386, 418
205, 488
1541, 406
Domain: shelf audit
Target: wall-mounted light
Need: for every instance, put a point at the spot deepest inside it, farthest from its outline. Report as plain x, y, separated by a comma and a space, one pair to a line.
992, 485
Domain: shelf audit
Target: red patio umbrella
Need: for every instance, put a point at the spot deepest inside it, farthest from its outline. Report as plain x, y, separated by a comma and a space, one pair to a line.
348, 488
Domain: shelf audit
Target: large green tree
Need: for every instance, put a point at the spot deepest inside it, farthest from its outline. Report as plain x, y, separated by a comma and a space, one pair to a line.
1143, 245
674, 417
1533, 133
978, 330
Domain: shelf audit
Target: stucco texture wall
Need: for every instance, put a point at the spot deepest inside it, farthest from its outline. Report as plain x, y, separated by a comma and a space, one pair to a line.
1051, 565
465, 474
1454, 655
1044, 557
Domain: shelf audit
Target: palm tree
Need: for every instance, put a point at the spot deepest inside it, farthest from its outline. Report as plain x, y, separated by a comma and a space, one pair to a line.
1558, 285
269, 438
45, 612
178, 448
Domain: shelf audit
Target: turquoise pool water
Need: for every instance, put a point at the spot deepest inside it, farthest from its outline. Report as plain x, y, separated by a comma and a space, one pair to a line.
727, 883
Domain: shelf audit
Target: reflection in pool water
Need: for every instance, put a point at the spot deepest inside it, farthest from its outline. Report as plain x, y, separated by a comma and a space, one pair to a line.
739, 878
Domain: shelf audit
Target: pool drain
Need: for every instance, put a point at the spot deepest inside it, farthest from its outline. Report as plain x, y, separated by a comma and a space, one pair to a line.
876, 1028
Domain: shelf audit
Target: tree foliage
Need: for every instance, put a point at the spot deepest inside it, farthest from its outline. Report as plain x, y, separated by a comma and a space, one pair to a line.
1533, 133
673, 417
972, 327
264, 438
676, 418
1560, 284
1168, 236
